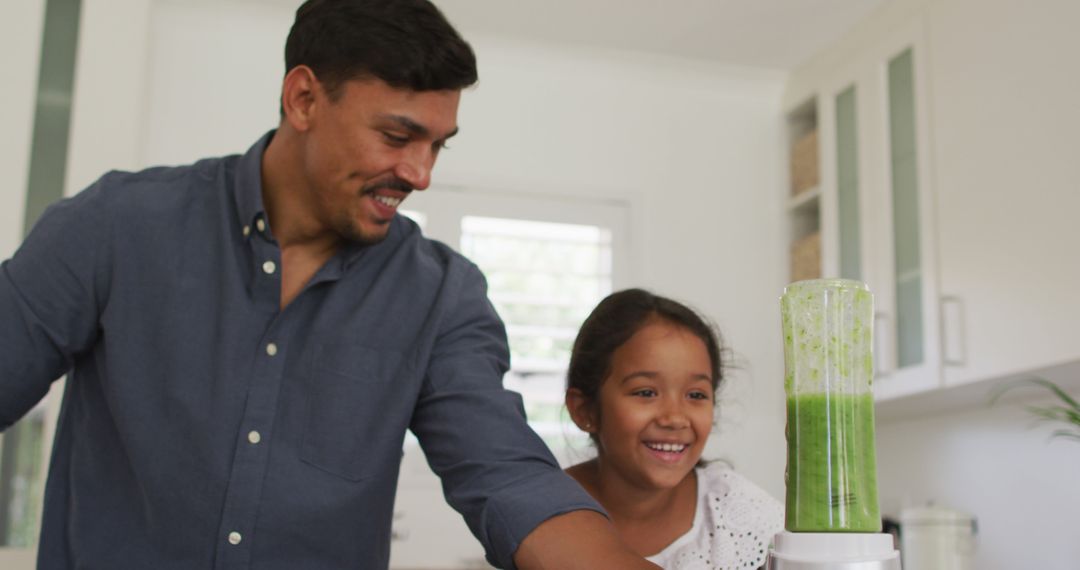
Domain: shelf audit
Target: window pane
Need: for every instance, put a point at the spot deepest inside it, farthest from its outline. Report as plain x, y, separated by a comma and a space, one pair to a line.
544, 279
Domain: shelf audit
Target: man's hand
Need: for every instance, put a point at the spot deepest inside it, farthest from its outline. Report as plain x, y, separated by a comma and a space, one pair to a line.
582, 540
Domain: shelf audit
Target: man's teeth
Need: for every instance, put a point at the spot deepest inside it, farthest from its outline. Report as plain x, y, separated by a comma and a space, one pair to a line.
672, 447
392, 202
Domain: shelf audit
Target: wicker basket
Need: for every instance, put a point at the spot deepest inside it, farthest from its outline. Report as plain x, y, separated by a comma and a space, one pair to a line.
806, 257
804, 163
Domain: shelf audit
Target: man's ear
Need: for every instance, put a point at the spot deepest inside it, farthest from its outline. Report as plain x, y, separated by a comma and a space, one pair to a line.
581, 410
298, 96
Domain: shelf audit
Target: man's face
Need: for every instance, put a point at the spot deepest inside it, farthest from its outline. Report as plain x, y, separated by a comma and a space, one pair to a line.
368, 149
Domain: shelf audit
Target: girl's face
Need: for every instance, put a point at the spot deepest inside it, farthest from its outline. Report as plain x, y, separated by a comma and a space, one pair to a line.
656, 406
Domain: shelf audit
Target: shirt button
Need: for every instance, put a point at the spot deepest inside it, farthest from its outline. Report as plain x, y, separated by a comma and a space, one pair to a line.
271, 349
247, 231
259, 223
254, 437
235, 538
269, 267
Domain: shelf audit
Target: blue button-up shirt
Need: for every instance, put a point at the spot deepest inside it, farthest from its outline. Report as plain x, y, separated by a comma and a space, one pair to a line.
204, 427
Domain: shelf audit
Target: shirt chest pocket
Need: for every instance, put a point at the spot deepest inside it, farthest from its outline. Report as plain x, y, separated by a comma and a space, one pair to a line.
353, 424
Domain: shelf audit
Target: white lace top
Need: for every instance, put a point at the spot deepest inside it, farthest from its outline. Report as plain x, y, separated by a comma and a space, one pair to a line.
734, 523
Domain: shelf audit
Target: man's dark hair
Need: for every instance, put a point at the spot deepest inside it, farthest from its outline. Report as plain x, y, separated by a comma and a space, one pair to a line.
617, 318
406, 43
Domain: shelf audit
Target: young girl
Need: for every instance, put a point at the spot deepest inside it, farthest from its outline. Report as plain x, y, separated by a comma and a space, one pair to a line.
643, 375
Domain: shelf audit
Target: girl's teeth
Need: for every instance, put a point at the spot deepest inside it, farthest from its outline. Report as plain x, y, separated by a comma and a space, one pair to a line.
670, 447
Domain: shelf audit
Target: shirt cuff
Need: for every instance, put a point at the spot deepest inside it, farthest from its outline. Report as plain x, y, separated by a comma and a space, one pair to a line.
517, 510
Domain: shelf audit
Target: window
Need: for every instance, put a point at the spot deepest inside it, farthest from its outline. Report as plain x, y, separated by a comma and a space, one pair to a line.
544, 278
547, 263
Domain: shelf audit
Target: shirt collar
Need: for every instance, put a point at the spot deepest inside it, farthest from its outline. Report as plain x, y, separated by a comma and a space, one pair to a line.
248, 189
250, 208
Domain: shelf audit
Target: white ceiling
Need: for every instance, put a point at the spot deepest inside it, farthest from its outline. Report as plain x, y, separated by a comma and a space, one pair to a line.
777, 34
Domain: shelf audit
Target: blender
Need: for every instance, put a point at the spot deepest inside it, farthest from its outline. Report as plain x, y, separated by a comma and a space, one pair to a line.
832, 517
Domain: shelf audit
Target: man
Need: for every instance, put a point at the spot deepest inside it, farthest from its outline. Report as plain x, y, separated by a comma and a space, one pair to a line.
248, 338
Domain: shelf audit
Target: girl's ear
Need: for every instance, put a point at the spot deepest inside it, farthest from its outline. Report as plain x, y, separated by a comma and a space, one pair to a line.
581, 410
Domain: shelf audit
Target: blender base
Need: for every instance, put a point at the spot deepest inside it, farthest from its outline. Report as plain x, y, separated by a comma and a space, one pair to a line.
833, 551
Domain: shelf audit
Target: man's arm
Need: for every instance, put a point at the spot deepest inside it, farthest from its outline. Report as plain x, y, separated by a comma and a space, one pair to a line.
49, 301
582, 540
495, 470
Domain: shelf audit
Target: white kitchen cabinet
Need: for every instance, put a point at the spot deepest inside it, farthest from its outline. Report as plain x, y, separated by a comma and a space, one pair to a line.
1008, 192
876, 206
981, 285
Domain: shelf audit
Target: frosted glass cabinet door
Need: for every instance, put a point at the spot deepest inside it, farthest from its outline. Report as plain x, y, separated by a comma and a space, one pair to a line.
908, 350
907, 274
857, 139
847, 185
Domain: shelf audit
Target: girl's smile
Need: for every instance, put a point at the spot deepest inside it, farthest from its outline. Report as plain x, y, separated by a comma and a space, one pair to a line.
668, 452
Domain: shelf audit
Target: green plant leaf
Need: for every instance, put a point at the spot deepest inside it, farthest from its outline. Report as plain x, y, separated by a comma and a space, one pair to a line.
1064, 433
1002, 389
1051, 413
1061, 394
1066, 412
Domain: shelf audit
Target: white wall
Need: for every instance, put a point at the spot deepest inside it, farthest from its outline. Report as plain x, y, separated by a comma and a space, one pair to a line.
213, 78
1020, 485
108, 105
1003, 102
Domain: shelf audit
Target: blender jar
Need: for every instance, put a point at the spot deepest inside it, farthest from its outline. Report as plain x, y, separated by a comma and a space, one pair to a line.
831, 468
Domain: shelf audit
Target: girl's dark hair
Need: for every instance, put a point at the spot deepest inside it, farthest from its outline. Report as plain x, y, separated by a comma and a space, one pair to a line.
615, 320
406, 43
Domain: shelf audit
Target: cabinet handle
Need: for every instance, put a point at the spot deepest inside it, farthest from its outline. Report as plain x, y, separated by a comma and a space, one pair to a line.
881, 361
953, 332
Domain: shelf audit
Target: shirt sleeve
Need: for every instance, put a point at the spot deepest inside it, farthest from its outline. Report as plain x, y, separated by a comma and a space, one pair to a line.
51, 292
495, 470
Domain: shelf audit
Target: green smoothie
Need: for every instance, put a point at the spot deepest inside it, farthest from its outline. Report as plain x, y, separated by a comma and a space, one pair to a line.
831, 469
